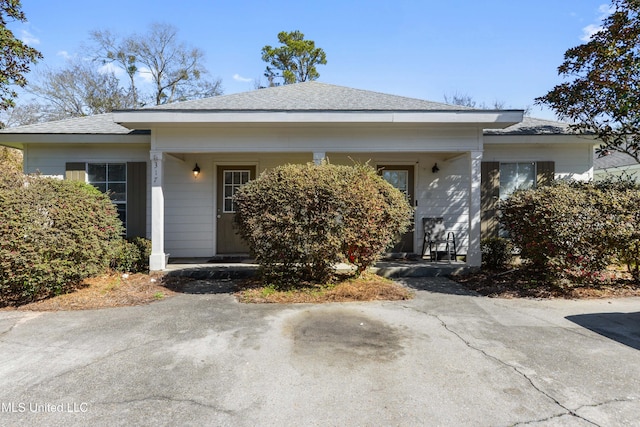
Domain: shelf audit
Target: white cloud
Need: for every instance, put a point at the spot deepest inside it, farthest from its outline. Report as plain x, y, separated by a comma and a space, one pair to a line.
64, 54
237, 77
587, 32
109, 67
606, 10
29, 38
145, 74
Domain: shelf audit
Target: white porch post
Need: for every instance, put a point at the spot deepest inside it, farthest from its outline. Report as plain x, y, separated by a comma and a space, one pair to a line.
474, 254
318, 157
157, 259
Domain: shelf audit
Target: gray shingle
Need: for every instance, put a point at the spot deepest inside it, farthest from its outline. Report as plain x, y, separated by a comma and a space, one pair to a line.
309, 96
100, 124
533, 126
613, 160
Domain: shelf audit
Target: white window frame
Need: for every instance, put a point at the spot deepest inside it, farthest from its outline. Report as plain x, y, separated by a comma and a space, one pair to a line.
234, 187
120, 204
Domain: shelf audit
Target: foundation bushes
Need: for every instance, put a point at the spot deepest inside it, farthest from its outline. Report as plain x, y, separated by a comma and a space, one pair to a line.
53, 234
132, 255
301, 220
573, 230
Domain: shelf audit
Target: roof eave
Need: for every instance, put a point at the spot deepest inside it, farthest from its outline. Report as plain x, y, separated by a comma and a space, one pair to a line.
18, 140
488, 119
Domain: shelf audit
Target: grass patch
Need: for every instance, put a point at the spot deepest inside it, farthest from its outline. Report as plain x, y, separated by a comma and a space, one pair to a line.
367, 287
109, 290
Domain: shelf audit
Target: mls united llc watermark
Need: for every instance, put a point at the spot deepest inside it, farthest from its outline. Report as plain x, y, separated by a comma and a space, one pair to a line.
34, 407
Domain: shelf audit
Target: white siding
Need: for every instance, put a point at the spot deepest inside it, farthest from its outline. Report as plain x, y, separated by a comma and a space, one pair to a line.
574, 161
442, 194
50, 160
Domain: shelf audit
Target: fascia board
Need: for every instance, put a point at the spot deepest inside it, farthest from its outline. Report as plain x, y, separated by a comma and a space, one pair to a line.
141, 119
48, 138
539, 139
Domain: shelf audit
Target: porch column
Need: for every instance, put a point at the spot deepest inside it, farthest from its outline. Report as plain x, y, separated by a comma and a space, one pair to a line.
474, 254
157, 258
318, 157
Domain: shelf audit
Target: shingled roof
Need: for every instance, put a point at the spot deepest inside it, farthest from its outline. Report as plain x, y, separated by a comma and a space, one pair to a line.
309, 96
300, 97
99, 124
533, 126
614, 159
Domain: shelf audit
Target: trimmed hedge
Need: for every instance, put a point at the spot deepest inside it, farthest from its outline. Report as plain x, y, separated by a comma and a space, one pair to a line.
301, 220
53, 234
574, 230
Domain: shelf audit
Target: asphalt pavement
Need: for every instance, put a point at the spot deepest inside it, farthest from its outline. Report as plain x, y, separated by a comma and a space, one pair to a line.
446, 358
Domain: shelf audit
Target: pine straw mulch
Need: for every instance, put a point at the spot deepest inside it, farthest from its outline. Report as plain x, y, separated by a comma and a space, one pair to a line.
367, 287
110, 290
521, 283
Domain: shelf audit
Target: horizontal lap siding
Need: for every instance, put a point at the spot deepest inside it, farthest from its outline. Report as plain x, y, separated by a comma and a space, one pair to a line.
190, 204
443, 194
570, 160
51, 160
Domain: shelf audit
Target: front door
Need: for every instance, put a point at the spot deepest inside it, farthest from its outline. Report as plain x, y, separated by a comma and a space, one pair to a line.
401, 177
229, 179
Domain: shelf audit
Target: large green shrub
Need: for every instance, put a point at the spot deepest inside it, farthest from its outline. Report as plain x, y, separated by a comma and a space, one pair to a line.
300, 220
574, 230
53, 234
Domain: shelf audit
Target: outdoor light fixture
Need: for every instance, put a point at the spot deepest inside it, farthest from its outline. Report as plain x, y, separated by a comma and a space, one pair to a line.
196, 171
435, 168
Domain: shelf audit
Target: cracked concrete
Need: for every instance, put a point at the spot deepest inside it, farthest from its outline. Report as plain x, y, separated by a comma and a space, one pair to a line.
447, 357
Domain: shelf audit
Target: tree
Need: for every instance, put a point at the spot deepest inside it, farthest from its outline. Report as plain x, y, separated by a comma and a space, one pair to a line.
296, 60
15, 56
603, 97
79, 90
177, 71
114, 49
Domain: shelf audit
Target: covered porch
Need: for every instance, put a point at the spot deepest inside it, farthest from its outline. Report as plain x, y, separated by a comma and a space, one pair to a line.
191, 216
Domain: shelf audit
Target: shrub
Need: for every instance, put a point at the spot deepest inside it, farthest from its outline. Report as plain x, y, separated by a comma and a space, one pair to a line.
132, 255
53, 234
497, 253
300, 220
574, 230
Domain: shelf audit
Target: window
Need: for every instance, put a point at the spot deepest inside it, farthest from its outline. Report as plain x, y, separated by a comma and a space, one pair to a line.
516, 176
111, 178
233, 179
398, 178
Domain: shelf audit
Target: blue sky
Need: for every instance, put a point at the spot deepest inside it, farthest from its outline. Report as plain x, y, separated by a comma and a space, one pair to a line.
506, 50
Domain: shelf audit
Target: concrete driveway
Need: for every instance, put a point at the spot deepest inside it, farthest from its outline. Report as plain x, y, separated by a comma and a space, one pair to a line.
448, 358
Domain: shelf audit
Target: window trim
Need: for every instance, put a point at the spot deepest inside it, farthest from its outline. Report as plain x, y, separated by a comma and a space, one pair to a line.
118, 203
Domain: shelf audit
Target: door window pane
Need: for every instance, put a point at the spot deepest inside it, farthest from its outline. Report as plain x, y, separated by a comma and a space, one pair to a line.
232, 181
399, 179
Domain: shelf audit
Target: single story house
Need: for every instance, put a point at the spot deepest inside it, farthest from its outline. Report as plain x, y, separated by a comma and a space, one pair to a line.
453, 162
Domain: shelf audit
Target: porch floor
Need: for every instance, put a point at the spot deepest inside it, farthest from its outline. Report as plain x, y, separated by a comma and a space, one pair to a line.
206, 268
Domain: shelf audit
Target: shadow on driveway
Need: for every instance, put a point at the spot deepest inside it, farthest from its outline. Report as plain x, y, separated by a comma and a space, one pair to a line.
621, 327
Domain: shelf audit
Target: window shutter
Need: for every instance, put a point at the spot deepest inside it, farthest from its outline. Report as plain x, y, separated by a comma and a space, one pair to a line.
489, 196
136, 199
75, 171
545, 173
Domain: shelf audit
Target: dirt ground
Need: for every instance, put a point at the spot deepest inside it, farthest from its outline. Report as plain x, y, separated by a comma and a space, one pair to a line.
518, 283
118, 290
110, 290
